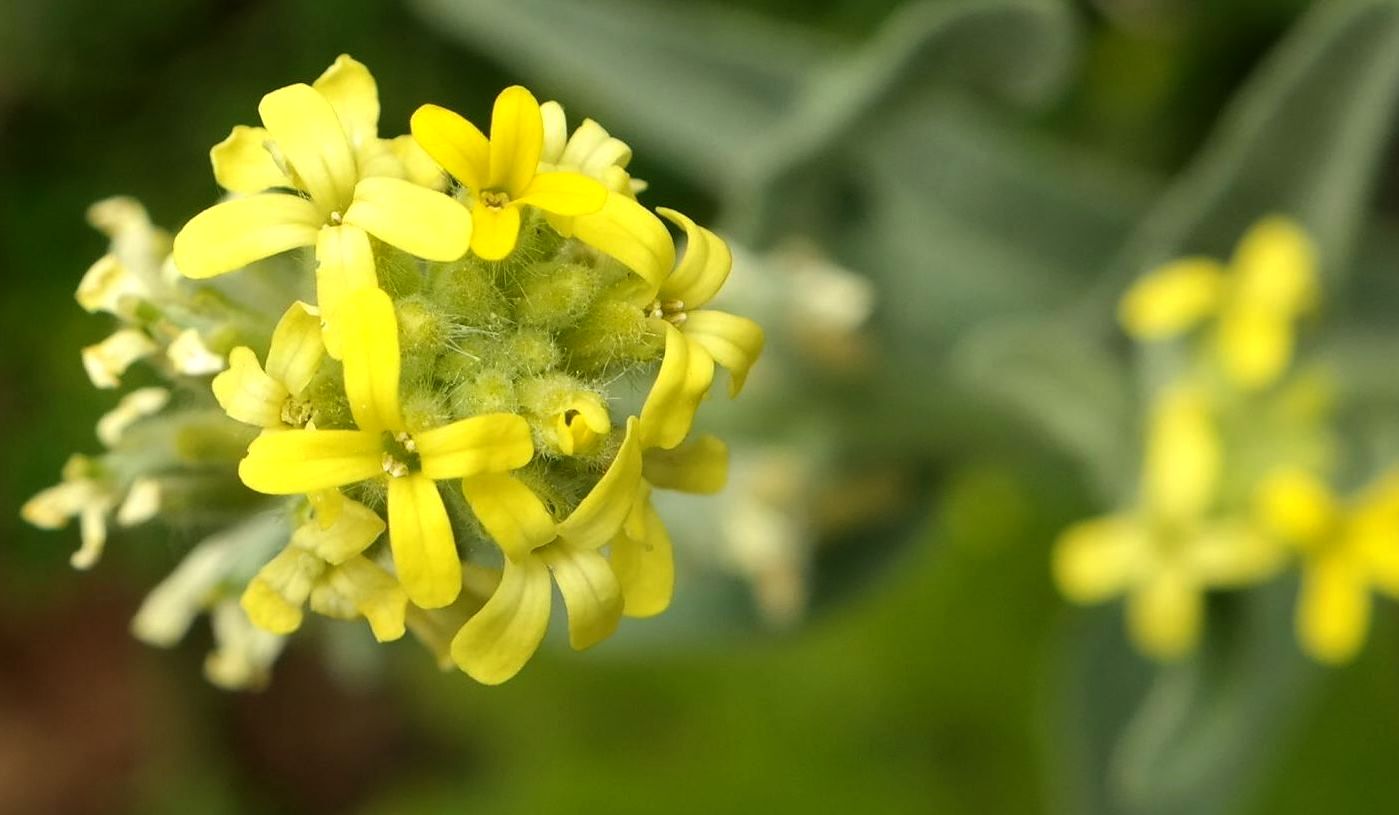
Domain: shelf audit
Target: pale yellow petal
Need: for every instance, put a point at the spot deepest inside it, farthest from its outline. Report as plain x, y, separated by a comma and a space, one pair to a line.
344, 265
109, 359
681, 383
133, 407
517, 138
352, 92
489, 443
564, 193
292, 462
308, 133
231, 235
296, 350
454, 143
645, 565
1333, 611
244, 164
494, 231
274, 598
1233, 554
1164, 616
356, 526
590, 592
1296, 506
424, 550
370, 344
597, 518
247, 394
704, 267
1182, 466
734, 342
417, 165
1099, 559
627, 231
361, 586
510, 512
500, 638
555, 129
1172, 299
1275, 268
417, 220
1254, 346
699, 466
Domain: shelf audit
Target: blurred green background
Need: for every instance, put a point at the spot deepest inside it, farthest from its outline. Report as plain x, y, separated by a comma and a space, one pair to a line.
1057, 145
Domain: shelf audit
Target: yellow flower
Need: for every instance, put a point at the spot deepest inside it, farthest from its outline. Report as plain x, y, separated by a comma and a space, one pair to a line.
502, 174
409, 460
589, 150
1346, 552
271, 398
500, 638
1271, 282
1164, 554
91, 494
696, 338
315, 175
324, 564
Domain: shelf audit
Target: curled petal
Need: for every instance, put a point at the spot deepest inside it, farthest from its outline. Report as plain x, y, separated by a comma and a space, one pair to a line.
364, 587
555, 129
490, 443
645, 565
370, 343
247, 394
699, 466
454, 143
703, 269
296, 349
132, 408
308, 132
352, 92
517, 137
734, 342
292, 462
590, 592
274, 598
231, 235
424, 550
510, 512
1172, 299
356, 526
627, 231
685, 376
596, 519
244, 164
419, 221
106, 361
500, 638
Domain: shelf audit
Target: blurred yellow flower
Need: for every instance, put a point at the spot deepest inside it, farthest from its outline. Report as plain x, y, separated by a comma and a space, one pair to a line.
1346, 553
1255, 301
1167, 552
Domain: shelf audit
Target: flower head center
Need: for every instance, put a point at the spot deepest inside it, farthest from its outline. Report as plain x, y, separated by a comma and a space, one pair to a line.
297, 413
400, 455
336, 217
672, 311
495, 199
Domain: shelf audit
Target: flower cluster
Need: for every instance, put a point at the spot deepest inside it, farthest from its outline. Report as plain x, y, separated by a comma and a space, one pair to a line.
1237, 457
454, 365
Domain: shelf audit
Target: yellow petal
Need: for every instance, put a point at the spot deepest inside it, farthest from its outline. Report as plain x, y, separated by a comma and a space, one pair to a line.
645, 566
734, 342
627, 231
699, 466
1372, 533
704, 267
564, 194
296, 350
684, 378
1275, 268
1333, 611
1165, 614
1172, 299
352, 92
106, 361
132, 408
590, 592
244, 164
517, 137
1254, 346
1233, 554
292, 462
1098, 559
370, 343
231, 235
555, 132
369, 591
344, 265
417, 165
510, 512
582, 425
1182, 464
419, 221
247, 394
274, 598
489, 443
500, 638
356, 526
420, 534
597, 518
494, 231
454, 143
1296, 506
308, 133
